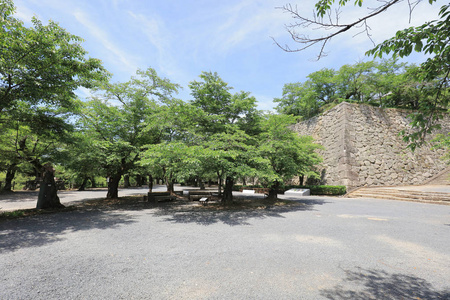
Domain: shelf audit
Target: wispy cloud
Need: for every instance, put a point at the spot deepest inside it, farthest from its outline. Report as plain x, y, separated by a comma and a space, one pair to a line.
101, 35
248, 23
154, 30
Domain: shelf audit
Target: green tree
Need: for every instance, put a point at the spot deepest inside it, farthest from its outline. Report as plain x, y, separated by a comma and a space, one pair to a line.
29, 137
230, 154
40, 69
43, 64
286, 154
225, 130
172, 161
124, 118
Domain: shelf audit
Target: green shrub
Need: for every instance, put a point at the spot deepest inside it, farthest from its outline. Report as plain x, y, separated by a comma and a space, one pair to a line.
330, 190
238, 187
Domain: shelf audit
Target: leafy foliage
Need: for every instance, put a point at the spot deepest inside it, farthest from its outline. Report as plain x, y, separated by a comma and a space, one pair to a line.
285, 153
431, 38
386, 84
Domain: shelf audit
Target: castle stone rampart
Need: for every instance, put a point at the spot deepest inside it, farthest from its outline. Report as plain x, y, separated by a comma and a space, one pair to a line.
362, 147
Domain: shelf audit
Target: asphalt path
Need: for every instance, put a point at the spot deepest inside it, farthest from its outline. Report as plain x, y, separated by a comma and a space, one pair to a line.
323, 248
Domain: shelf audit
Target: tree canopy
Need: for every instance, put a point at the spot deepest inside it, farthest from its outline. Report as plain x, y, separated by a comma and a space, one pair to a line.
431, 38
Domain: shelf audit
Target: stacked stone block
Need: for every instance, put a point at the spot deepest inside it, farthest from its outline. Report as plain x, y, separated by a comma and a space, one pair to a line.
362, 147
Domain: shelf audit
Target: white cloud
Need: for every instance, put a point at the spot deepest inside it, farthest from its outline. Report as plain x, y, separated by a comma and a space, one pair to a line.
24, 13
101, 35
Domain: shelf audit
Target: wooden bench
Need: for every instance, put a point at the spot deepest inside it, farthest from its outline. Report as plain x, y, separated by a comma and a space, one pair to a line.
160, 196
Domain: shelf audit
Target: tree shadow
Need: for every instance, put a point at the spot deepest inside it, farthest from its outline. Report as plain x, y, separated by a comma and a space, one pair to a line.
378, 284
19, 196
208, 215
48, 228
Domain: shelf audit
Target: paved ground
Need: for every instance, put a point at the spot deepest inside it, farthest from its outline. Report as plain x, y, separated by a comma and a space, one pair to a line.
324, 248
28, 199
423, 188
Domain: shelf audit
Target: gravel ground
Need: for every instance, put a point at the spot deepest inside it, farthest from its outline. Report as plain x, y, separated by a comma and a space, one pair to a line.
322, 248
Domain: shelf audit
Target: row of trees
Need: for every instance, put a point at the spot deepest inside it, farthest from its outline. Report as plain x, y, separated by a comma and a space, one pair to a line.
386, 83
133, 127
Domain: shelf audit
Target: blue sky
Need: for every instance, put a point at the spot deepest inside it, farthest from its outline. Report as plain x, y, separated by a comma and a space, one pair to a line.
180, 39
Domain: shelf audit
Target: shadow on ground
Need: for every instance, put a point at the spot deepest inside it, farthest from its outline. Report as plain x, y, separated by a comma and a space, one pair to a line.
378, 284
209, 215
41, 229
48, 228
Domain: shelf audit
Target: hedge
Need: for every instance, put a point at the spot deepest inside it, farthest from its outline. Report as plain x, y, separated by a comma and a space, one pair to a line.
329, 190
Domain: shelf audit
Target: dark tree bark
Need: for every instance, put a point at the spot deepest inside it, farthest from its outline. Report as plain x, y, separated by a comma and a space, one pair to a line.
150, 183
83, 184
227, 196
273, 191
113, 186
302, 179
10, 174
219, 182
48, 197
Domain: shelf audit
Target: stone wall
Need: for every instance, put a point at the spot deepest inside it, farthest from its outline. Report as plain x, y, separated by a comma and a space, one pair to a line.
362, 147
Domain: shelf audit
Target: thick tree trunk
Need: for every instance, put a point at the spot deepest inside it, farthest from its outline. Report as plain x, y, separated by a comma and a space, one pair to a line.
48, 197
83, 185
10, 174
126, 181
113, 186
273, 192
227, 196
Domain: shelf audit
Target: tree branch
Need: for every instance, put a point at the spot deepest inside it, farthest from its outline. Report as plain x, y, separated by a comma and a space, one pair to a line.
318, 23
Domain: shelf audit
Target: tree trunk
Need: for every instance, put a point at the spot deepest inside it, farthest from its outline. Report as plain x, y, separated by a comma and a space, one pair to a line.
201, 183
150, 183
138, 180
273, 192
113, 186
302, 179
83, 185
48, 197
126, 181
93, 183
10, 174
219, 182
227, 196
